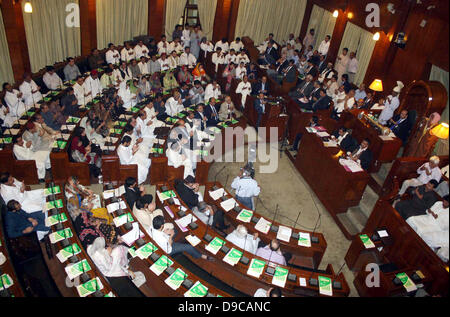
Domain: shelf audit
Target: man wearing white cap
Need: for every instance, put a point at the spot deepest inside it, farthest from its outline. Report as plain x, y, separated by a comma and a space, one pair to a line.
391, 104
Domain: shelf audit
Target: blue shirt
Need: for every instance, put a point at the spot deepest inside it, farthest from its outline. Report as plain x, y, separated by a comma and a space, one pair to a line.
16, 222
245, 187
360, 95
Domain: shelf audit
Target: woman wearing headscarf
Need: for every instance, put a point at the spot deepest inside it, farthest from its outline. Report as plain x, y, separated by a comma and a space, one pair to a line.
229, 73
112, 261
170, 82
81, 151
155, 82
184, 76
422, 142
89, 228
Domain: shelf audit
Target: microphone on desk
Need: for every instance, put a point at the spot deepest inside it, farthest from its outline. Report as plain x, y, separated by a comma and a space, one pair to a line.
296, 235
313, 238
215, 178
272, 226
337, 284
207, 237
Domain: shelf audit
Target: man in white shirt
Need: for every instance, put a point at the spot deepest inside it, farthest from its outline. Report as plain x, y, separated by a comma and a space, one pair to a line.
187, 58
92, 84
212, 91
237, 45
346, 103
140, 50
243, 58
12, 189
13, 99
154, 66
24, 152
309, 39
342, 63
82, 94
271, 292
427, 172
164, 62
186, 35
112, 55
391, 104
246, 187
218, 58
324, 46
176, 158
177, 46
243, 240
241, 71
223, 44
145, 127
6, 117
352, 67
174, 60
245, 89
143, 66
231, 57
30, 91
197, 92
127, 54
127, 156
174, 105
51, 79
163, 46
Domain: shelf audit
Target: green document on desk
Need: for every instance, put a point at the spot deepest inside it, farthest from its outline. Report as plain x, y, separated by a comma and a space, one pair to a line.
368, 244
73, 120
233, 257
52, 190
215, 130
215, 245
67, 252
325, 286
203, 153
74, 270
53, 220
222, 124
55, 204
30, 113
6, 281
60, 235
156, 150
134, 109
234, 121
167, 195
146, 250
280, 276
5, 140
161, 265
256, 268
89, 287
176, 279
122, 219
408, 284
121, 123
181, 115
197, 290
245, 215
59, 144
115, 131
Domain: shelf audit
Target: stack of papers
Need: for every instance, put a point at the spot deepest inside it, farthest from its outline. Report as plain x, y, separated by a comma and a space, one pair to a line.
115, 206
280, 276
67, 252
368, 244
52, 191
217, 193
233, 257
229, 204
330, 143
323, 134
176, 279
53, 220
134, 234
165, 195
408, 284
386, 138
89, 287
256, 268
185, 221
351, 166
325, 286
193, 240
311, 130
146, 250
6, 281
121, 220
54, 204
245, 216
74, 270
304, 239
161, 265
284, 233
263, 225
60, 235
197, 290
215, 245
114, 192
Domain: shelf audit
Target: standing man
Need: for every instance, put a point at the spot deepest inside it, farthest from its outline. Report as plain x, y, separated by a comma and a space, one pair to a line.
391, 104
260, 107
352, 67
342, 63
246, 187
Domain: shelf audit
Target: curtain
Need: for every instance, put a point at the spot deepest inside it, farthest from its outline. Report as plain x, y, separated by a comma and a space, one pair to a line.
6, 72
438, 74
258, 18
207, 13
323, 22
120, 20
361, 42
49, 39
174, 12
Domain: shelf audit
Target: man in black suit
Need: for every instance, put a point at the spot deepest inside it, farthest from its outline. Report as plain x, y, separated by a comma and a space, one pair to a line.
322, 103
369, 101
362, 155
212, 113
312, 69
188, 190
277, 73
290, 74
400, 125
260, 107
315, 58
133, 192
304, 89
200, 114
322, 64
262, 86
327, 72
270, 56
314, 96
344, 139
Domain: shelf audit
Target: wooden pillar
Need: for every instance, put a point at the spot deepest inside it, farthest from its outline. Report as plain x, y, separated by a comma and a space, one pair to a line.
16, 38
233, 20
88, 24
338, 34
306, 18
225, 20
156, 18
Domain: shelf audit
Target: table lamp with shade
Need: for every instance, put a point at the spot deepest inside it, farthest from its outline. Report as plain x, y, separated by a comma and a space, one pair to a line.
376, 85
441, 131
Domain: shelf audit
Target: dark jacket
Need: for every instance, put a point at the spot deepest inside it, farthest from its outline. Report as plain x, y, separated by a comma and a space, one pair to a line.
187, 195
258, 87
131, 195
321, 103
348, 144
259, 107
308, 89
366, 159
271, 56
208, 111
291, 75
16, 222
401, 130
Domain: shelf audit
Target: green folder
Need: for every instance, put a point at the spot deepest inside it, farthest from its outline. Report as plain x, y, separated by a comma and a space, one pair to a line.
54, 93
234, 121
256, 267
197, 290
53, 220
406, 281
59, 235
325, 285
176, 279
173, 120
366, 241
181, 115
245, 215
77, 269
280, 276
168, 194
215, 245
157, 150
115, 131
52, 190
30, 113
122, 123
223, 125
233, 256
146, 250
134, 110
68, 251
55, 204
161, 265
202, 152
5, 281
120, 220
47, 99
6, 140
73, 120
89, 287
60, 144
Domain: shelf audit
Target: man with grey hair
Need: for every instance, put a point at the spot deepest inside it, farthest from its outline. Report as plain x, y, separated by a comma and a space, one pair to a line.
243, 240
427, 172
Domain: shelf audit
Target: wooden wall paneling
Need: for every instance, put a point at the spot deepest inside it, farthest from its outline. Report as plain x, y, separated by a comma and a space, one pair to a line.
156, 18
88, 24
233, 19
306, 18
222, 19
15, 35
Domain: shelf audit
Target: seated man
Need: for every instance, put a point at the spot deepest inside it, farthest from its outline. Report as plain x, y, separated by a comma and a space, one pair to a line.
343, 139
261, 87
145, 211
11, 189
37, 138
19, 223
400, 125
188, 190
197, 92
133, 192
210, 215
243, 240
362, 155
307, 102
24, 152
272, 253
270, 56
341, 104
313, 122
304, 89
51, 79
212, 113
177, 158
212, 91
164, 239
228, 110
127, 156
423, 197
427, 172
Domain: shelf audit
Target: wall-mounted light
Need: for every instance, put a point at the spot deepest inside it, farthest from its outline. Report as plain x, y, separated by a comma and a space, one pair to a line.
350, 15
28, 8
335, 13
376, 36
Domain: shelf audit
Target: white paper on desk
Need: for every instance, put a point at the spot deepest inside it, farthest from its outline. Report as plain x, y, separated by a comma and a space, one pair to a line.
14, 131
330, 143
263, 225
302, 281
304, 239
22, 122
322, 134
70, 127
176, 201
112, 207
186, 220
386, 137
193, 240
107, 194
66, 136
284, 233
383, 233
134, 234
352, 165
217, 193
377, 107
113, 140
119, 191
160, 141
229, 204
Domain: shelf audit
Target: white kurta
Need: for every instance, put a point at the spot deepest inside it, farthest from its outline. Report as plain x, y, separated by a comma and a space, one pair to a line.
8, 118
79, 92
163, 47
175, 159
27, 90
231, 58
244, 89
31, 200
92, 86
188, 60
237, 46
341, 65
113, 57
146, 130
127, 158
389, 109
173, 107
141, 51
248, 242
186, 37
42, 158
144, 147
224, 46
243, 58
164, 64
15, 105
341, 106
129, 99
52, 82
177, 48
211, 92
241, 72
143, 67
127, 55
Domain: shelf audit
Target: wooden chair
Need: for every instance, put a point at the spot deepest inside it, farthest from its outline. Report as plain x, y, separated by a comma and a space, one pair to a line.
174, 173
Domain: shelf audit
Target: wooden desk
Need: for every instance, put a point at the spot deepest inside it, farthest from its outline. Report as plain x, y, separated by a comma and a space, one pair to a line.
384, 151
336, 188
301, 256
236, 276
